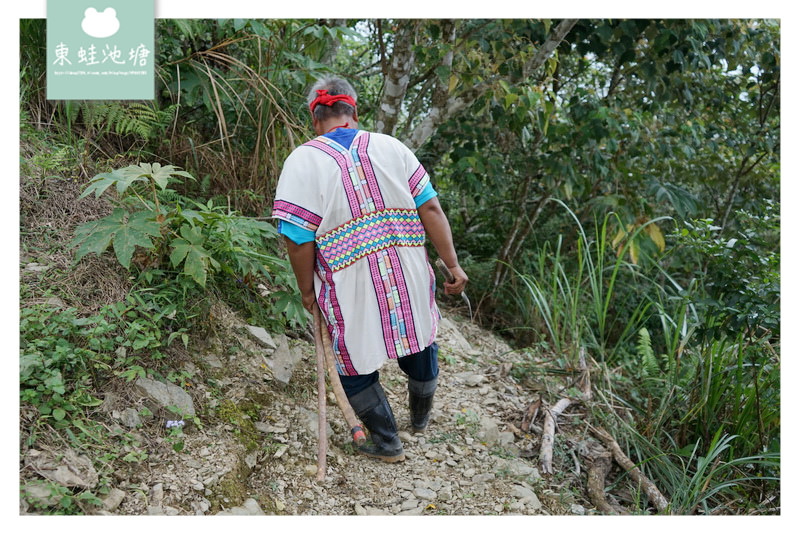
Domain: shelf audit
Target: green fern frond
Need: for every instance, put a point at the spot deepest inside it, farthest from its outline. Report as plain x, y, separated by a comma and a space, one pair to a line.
133, 118
644, 349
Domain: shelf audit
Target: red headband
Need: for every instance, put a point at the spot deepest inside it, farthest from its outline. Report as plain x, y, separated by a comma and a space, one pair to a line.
329, 99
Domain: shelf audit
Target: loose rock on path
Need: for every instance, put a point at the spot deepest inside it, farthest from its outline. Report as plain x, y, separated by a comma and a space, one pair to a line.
259, 457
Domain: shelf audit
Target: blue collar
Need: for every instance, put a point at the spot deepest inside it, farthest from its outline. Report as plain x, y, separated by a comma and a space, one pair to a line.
343, 136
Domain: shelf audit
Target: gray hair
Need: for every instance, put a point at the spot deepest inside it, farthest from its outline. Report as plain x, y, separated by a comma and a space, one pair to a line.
334, 86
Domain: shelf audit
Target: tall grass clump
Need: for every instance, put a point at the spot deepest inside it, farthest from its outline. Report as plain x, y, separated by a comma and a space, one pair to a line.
688, 389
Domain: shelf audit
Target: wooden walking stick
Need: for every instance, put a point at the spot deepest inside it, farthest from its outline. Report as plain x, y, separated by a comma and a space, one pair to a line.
322, 436
325, 357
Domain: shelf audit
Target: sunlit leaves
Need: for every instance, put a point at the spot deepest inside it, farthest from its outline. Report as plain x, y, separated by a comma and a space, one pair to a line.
126, 231
123, 178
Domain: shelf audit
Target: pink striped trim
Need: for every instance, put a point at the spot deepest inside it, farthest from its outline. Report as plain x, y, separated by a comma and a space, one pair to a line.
435, 315
416, 179
352, 199
405, 302
290, 212
383, 304
366, 164
336, 328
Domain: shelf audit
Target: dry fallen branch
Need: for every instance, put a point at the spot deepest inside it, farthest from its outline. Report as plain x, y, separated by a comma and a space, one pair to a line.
598, 466
647, 486
548, 435
530, 414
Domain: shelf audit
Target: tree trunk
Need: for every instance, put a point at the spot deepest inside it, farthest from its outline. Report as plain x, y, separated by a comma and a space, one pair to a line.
549, 46
441, 113
396, 83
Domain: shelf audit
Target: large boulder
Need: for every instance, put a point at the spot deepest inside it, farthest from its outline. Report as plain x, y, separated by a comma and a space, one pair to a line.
525, 494
449, 335
283, 360
68, 469
262, 336
165, 395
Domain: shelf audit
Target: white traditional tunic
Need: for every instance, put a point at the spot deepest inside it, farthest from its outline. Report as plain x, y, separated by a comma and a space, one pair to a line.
374, 283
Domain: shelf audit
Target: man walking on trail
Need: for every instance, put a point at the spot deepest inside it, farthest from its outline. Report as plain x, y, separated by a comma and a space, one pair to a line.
354, 208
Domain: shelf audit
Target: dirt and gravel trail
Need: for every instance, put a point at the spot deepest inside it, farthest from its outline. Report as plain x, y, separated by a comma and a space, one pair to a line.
256, 450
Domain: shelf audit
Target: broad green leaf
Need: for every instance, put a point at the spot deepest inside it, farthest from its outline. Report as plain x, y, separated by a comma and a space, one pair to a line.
91, 402
180, 247
127, 176
195, 265
190, 251
161, 175
138, 344
136, 232
99, 184
59, 414
184, 174
94, 237
193, 235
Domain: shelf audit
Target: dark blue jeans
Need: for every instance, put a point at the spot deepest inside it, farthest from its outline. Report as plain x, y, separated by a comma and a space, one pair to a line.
421, 366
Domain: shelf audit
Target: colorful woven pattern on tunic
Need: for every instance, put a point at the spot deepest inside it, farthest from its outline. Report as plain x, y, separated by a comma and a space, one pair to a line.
418, 180
364, 167
373, 233
329, 304
360, 184
370, 233
396, 320
296, 215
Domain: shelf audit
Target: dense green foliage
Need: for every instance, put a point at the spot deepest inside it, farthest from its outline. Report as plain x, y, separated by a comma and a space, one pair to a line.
614, 193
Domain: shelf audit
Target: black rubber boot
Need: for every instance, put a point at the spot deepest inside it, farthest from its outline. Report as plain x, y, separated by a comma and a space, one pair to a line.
372, 407
420, 401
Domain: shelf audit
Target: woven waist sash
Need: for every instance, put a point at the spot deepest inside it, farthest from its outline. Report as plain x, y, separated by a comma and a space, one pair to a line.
368, 234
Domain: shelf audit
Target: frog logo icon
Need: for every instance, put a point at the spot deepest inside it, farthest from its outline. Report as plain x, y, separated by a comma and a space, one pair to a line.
100, 25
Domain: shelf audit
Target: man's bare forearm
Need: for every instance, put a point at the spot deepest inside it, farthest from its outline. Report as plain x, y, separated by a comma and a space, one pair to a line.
301, 256
438, 229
